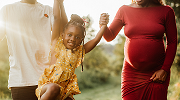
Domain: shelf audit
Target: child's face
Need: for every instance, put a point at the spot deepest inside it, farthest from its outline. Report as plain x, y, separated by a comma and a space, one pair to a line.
72, 37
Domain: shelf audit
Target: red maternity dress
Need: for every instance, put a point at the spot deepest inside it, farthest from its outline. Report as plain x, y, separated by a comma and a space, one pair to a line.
144, 48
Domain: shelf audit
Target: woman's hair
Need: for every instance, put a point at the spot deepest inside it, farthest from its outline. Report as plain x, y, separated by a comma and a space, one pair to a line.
145, 3
79, 22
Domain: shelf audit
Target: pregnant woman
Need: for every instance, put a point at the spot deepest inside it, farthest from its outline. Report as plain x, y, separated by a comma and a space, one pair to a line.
147, 62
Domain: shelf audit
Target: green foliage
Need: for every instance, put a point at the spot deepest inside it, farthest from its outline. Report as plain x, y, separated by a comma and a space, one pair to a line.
178, 28
89, 30
117, 62
109, 91
175, 4
96, 69
174, 87
95, 63
4, 96
177, 59
4, 70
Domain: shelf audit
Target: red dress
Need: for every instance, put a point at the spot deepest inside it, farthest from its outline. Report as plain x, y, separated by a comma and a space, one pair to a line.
144, 48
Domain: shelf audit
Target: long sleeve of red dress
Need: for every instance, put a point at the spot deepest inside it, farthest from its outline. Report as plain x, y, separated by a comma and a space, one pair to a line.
171, 34
145, 51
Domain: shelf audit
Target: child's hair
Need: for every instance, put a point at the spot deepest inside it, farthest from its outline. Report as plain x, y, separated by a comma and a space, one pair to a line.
76, 21
79, 22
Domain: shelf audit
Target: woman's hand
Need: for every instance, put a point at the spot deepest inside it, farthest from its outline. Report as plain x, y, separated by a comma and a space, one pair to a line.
159, 76
104, 19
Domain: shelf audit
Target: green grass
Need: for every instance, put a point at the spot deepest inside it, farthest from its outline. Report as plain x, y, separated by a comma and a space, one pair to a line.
103, 92
112, 91
109, 91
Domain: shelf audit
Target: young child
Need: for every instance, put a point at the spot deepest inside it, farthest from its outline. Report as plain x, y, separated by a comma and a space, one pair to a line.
59, 80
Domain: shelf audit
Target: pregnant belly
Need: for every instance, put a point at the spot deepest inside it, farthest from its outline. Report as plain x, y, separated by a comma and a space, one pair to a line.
144, 54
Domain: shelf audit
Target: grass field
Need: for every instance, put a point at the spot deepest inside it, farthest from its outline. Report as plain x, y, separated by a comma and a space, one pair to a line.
103, 92
107, 91
110, 91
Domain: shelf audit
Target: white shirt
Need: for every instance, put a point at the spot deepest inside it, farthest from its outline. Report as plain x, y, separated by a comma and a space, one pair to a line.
28, 31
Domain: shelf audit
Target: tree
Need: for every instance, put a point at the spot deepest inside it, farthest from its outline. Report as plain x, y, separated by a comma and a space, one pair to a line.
175, 4
117, 62
173, 92
95, 63
4, 69
89, 30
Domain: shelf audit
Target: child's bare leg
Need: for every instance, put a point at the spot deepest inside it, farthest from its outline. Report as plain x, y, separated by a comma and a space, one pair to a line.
50, 91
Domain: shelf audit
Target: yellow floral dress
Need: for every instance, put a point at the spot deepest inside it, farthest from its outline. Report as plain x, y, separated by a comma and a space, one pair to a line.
62, 73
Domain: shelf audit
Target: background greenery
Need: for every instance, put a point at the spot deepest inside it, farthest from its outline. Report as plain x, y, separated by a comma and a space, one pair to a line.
100, 79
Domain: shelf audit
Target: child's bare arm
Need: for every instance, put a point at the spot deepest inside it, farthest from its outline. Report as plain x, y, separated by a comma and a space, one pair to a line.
60, 19
57, 21
64, 19
92, 43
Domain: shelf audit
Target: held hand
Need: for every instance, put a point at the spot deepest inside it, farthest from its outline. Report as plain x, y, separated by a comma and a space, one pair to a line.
60, 1
159, 76
104, 19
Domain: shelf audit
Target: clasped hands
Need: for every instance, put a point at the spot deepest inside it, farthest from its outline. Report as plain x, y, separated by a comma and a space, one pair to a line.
60, 1
104, 19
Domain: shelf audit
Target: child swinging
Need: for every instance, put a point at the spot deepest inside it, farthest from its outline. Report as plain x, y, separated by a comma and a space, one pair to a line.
59, 82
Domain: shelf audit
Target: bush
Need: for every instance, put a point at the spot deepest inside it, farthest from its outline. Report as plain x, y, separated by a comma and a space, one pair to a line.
96, 70
4, 71
174, 87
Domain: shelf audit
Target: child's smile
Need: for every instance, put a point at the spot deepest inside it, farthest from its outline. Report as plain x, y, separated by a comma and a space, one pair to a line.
72, 37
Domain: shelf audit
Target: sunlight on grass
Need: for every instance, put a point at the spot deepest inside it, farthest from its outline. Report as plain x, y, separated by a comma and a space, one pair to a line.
4, 97
109, 91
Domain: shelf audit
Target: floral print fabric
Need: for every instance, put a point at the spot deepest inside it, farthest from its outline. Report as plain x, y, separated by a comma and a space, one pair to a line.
62, 73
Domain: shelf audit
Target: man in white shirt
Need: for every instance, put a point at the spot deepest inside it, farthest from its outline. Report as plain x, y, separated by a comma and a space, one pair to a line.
27, 26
